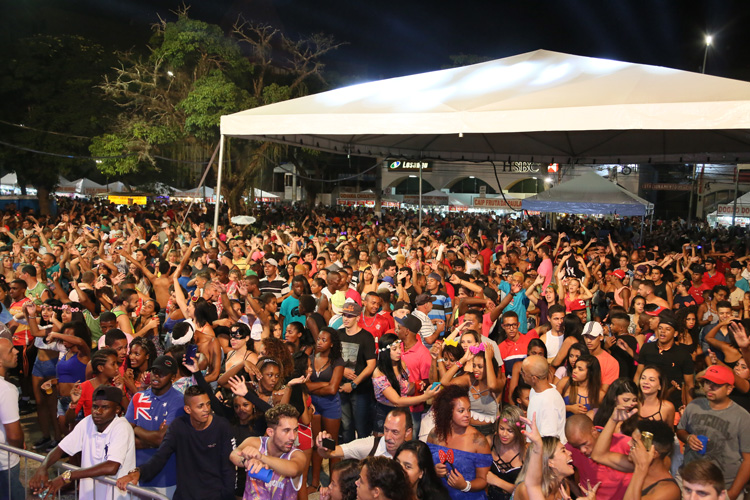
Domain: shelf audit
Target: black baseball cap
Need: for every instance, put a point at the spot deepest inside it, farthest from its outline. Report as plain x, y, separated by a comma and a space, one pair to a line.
165, 364
410, 322
107, 393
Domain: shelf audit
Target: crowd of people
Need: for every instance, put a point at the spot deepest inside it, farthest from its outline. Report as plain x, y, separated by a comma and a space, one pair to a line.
472, 356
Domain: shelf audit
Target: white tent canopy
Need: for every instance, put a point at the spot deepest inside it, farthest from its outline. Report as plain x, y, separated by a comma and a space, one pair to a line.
11, 179
82, 186
589, 194
259, 193
727, 209
539, 106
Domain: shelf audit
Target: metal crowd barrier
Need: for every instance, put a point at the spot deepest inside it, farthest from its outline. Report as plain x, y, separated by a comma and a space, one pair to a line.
134, 492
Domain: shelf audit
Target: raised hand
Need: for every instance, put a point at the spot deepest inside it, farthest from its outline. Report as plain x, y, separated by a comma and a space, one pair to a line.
740, 335
238, 386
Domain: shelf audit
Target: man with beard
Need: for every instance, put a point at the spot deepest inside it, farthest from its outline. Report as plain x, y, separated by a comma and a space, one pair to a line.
397, 429
150, 412
202, 443
274, 451
125, 304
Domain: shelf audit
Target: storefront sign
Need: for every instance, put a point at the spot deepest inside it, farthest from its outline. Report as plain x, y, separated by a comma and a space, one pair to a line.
666, 186
728, 209
413, 199
496, 203
357, 196
524, 167
401, 166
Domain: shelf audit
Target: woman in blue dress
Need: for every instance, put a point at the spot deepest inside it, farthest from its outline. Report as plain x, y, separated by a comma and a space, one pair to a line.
461, 453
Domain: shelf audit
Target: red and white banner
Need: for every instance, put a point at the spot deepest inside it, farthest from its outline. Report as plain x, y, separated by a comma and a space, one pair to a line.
494, 203
728, 209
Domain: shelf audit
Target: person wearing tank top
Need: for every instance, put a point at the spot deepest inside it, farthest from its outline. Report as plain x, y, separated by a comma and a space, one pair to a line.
276, 452
554, 337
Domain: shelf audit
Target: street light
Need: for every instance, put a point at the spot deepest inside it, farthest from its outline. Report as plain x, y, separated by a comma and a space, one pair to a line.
709, 39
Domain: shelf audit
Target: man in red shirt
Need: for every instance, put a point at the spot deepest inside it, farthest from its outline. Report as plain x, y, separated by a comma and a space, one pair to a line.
516, 344
369, 319
486, 254
582, 437
696, 291
712, 277
417, 359
21, 335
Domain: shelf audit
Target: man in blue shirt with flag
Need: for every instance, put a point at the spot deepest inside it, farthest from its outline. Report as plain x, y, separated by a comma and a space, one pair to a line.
150, 412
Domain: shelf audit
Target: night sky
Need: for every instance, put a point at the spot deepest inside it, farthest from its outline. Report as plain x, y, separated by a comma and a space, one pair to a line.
388, 38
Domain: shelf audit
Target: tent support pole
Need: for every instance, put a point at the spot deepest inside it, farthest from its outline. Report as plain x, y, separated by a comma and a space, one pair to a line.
201, 185
643, 224
420, 196
217, 194
736, 183
692, 192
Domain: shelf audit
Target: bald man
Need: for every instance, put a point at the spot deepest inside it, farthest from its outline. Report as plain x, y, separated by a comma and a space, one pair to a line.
544, 400
11, 432
582, 437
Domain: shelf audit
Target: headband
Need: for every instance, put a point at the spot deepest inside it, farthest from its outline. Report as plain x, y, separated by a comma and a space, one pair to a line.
386, 348
264, 362
185, 338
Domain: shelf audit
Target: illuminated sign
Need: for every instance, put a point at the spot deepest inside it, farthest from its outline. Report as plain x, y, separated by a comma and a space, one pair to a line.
400, 165
522, 167
496, 203
127, 200
728, 209
666, 186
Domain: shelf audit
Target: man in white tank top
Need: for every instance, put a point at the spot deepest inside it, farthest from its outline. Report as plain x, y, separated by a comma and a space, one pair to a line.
555, 336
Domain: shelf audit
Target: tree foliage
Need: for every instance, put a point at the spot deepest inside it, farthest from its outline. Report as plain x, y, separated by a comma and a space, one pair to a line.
171, 101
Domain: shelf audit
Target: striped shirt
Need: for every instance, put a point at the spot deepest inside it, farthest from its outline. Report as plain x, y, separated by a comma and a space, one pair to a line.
441, 307
278, 287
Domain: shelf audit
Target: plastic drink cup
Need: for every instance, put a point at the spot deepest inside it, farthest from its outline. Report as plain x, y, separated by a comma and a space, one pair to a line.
648, 439
48, 390
704, 441
264, 475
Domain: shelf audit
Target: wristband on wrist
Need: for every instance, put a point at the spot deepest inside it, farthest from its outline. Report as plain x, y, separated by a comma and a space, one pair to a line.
441, 360
467, 488
459, 364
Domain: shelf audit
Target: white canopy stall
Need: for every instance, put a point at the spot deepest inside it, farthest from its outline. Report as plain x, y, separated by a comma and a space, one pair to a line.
540, 106
725, 212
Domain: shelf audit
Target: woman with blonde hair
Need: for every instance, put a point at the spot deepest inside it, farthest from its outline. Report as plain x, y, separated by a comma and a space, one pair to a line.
508, 448
546, 465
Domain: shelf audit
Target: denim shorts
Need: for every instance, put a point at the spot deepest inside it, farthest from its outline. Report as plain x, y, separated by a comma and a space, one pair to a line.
45, 369
62, 405
327, 406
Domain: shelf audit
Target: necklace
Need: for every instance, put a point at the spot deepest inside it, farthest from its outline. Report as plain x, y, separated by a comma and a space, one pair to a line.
364, 321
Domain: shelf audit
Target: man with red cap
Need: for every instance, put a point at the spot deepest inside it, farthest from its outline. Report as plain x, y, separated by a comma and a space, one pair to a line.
715, 428
580, 309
